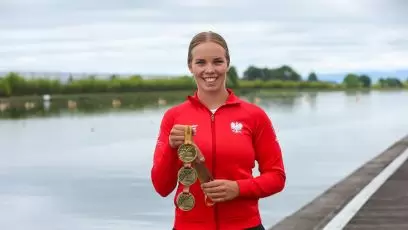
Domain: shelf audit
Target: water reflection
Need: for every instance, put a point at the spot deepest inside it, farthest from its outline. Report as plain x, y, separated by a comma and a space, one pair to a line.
91, 104
287, 101
87, 104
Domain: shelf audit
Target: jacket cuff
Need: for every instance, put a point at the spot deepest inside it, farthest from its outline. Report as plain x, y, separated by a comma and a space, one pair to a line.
244, 187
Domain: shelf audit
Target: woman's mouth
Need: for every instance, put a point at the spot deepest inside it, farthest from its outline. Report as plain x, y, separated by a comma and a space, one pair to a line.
210, 79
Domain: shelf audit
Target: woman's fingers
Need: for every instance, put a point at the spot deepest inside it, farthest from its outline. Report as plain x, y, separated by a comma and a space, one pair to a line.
176, 138
176, 132
219, 189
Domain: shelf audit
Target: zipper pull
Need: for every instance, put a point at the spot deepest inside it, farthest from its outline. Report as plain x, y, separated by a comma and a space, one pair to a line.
212, 117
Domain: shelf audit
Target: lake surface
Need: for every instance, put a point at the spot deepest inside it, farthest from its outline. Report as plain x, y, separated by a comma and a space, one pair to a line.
92, 171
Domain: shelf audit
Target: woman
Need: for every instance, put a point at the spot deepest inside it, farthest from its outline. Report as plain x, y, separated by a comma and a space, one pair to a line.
231, 134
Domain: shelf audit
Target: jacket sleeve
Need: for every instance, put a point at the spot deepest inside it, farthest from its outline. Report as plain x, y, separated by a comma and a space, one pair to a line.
165, 160
269, 157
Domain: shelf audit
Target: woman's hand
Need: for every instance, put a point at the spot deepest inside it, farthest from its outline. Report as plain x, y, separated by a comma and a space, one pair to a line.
176, 137
221, 190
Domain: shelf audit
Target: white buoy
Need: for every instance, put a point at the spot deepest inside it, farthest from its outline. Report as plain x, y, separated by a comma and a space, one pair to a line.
46, 97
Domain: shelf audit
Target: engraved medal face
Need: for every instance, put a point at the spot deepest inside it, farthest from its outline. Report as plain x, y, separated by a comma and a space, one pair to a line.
187, 153
187, 176
185, 201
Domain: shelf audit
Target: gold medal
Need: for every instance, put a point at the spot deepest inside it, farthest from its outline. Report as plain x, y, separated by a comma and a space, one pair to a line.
185, 201
187, 152
187, 175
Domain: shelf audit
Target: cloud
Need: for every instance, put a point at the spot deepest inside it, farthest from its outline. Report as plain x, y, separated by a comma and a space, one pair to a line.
152, 37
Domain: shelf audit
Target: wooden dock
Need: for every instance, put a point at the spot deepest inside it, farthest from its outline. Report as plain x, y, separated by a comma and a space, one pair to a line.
388, 207
366, 199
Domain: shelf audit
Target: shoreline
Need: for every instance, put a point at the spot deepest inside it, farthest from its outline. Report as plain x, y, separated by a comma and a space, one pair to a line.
190, 91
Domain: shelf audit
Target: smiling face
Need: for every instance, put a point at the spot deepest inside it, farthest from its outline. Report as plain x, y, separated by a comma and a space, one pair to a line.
208, 61
209, 66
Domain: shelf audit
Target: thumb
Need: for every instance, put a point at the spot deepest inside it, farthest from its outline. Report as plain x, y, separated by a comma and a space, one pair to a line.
200, 156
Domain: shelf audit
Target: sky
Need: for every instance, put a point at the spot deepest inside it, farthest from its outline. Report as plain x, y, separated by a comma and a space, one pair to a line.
151, 37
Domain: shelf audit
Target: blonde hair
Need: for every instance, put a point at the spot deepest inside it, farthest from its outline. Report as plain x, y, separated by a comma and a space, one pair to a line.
207, 37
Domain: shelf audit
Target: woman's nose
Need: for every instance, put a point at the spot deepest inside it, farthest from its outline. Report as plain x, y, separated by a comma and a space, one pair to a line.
209, 68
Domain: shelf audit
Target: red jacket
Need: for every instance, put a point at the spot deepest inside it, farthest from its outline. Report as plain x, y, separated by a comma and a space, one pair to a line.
231, 140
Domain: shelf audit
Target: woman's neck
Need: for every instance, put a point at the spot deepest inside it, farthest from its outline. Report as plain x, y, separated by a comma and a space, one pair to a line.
213, 100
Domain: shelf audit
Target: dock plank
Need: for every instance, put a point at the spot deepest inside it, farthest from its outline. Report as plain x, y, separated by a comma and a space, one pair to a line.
388, 207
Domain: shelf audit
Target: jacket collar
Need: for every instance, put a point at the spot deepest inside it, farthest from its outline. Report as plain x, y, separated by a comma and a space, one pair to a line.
231, 99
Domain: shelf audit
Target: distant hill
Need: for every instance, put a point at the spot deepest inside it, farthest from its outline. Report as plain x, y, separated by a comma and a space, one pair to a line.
374, 75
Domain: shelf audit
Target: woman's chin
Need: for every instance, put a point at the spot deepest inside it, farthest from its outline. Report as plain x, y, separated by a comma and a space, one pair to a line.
210, 87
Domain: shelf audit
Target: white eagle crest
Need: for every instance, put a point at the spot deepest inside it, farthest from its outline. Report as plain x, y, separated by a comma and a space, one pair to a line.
236, 127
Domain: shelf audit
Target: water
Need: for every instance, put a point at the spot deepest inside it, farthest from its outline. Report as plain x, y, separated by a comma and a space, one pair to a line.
92, 171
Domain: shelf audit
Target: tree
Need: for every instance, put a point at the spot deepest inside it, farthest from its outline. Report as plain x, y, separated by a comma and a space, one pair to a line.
14, 84
252, 73
70, 78
394, 82
312, 77
283, 73
232, 77
352, 81
5, 89
390, 82
365, 80
381, 82
113, 77
288, 73
136, 77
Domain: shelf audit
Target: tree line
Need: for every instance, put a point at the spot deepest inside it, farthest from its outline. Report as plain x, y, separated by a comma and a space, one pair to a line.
284, 77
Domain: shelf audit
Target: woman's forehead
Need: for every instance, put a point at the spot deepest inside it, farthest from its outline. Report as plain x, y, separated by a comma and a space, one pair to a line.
208, 50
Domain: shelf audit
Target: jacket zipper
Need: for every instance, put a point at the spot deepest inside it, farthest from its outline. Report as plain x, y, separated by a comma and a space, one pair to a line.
213, 162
